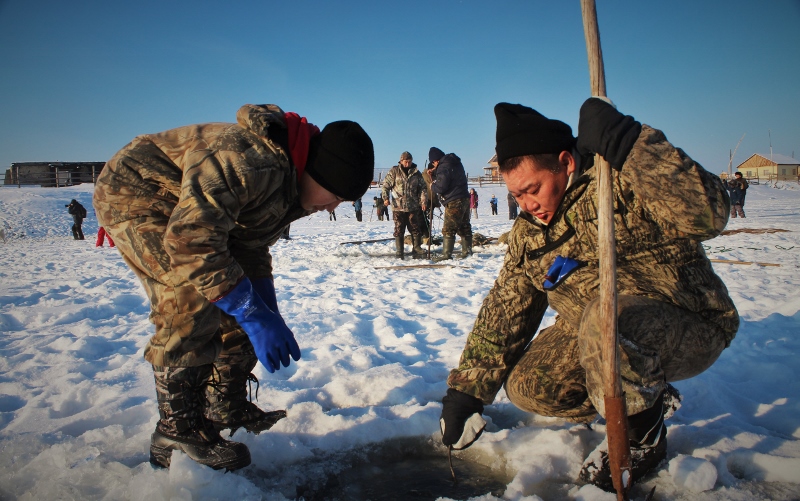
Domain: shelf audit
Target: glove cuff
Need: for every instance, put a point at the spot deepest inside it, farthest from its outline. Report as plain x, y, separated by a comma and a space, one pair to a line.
265, 288
240, 301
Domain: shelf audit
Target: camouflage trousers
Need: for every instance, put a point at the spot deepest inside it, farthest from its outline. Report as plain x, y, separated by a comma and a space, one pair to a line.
456, 219
560, 373
190, 331
415, 222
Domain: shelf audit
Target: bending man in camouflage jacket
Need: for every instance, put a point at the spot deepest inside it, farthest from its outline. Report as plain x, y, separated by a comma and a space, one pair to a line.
194, 211
409, 199
675, 315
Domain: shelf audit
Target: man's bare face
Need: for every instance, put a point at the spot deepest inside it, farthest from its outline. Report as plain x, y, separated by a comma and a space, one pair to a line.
539, 190
314, 197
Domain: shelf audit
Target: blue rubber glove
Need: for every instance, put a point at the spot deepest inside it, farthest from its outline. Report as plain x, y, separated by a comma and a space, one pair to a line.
265, 288
272, 340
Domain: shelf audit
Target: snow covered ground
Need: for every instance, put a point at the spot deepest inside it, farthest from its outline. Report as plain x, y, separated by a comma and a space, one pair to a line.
77, 401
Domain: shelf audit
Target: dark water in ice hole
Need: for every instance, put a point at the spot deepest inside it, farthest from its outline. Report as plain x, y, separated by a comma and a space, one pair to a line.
403, 470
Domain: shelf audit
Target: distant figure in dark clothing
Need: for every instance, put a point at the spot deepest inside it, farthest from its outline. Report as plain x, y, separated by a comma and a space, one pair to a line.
450, 184
285, 234
78, 213
737, 197
358, 206
512, 206
331, 215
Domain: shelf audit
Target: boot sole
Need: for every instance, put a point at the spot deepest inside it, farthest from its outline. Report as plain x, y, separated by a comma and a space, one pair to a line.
162, 457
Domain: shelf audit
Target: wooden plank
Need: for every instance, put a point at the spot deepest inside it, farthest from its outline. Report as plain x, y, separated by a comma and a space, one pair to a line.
398, 267
726, 261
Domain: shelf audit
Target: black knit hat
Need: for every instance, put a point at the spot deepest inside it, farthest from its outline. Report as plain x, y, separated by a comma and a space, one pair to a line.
342, 159
523, 131
435, 154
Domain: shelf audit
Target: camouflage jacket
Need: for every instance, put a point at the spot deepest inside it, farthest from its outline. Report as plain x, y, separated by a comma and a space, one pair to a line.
408, 189
432, 197
665, 204
228, 191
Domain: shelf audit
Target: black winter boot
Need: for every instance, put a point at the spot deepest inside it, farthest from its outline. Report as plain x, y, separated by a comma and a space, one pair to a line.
648, 440
447, 248
466, 246
399, 247
418, 251
228, 405
181, 398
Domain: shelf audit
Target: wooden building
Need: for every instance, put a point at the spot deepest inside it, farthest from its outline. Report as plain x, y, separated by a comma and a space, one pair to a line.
492, 172
52, 174
769, 168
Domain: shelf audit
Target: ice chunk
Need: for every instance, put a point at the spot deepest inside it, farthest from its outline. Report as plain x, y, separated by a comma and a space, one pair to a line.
693, 473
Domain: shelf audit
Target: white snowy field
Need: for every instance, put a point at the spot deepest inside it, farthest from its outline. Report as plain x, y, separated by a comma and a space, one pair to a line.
77, 401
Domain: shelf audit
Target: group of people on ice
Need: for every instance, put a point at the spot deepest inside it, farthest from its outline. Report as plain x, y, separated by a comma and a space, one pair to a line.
412, 199
194, 211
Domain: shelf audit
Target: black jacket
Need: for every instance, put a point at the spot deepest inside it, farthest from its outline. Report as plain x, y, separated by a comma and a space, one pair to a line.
450, 180
77, 211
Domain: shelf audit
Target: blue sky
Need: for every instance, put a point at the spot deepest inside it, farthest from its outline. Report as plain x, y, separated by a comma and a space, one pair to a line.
80, 79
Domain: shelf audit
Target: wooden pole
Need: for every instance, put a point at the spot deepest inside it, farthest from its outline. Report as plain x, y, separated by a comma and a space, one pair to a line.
619, 453
431, 194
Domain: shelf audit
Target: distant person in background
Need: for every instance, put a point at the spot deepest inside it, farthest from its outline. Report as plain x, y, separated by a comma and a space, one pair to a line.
493, 204
194, 211
78, 213
405, 189
473, 202
101, 236
450, 184
378, 207
512, 206
743, 184
737, 197
357, 206
331, 215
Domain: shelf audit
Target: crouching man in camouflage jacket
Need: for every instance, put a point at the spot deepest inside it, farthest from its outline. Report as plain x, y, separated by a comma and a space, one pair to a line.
675, 315
194, 211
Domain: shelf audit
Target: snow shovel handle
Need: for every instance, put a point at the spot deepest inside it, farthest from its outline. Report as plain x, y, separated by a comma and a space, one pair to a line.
616, 415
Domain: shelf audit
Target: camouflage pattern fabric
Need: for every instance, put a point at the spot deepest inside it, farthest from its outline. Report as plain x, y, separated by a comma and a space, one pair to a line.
549, 380
560, 374
180, 396
432, 197
407, 187
665, 204
415, 221
193, 210
456, 219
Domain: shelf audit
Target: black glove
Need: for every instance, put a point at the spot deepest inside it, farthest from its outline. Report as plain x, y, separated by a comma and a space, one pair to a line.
604, 130
461, 420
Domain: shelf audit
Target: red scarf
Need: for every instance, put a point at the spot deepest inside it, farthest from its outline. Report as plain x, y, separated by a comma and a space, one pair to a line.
300, 134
